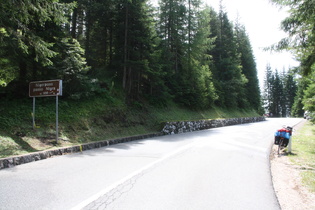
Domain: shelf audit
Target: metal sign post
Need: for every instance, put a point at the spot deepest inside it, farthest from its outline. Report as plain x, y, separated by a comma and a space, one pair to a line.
43, 89
57, 119
33, 113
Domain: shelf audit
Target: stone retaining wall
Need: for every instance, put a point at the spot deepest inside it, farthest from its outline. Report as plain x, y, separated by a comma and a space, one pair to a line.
169, 128
189, 126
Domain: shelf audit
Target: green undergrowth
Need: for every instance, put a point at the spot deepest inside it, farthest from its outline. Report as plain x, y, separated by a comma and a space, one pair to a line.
87, 120
303, 154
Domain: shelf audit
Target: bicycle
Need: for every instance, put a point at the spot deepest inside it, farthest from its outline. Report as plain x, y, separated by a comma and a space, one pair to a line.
282, 138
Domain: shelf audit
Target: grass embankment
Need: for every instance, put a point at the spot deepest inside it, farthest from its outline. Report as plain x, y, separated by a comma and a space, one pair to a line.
303, 154
82, 121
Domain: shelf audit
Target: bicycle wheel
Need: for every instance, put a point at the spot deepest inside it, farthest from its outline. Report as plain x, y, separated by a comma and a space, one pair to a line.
280, 145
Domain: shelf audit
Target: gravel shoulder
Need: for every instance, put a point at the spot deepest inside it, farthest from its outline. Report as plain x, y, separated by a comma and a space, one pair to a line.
292, 195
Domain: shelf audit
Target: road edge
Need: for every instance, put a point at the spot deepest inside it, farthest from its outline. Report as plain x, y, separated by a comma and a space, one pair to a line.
12, 161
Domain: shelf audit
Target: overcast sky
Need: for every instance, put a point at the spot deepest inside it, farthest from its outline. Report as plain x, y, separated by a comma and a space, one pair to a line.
262, 22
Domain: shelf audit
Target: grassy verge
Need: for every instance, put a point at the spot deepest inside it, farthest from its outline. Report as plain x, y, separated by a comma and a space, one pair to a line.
82, 121
303, 154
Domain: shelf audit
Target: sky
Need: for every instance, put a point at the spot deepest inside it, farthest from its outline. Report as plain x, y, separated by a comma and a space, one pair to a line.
262, 23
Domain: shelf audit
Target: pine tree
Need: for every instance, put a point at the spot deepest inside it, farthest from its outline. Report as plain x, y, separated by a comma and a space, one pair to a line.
26, 29
267, 94
196, 72
279, 93
230, 82
172, 21
251, 92
134, 49
298, 107
185, 41
290, 91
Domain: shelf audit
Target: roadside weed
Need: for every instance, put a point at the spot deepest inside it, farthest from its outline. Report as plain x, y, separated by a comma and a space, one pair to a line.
303, 146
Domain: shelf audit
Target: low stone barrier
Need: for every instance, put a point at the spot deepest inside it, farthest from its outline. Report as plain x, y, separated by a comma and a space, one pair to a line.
169, 128
35, 156
189, 126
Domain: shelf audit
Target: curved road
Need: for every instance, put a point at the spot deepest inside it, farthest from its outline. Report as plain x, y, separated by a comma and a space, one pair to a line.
221, 168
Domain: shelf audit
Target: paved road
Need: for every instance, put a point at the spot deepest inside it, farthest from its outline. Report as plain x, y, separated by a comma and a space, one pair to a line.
222, 168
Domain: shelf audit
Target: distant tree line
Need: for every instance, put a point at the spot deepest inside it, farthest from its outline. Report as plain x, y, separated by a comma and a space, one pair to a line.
280, 90
181, 51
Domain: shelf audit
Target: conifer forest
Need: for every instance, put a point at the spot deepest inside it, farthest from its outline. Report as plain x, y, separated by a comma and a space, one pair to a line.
181, 51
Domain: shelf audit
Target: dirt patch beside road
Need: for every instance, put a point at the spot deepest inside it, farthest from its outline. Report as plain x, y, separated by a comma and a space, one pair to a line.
292, 195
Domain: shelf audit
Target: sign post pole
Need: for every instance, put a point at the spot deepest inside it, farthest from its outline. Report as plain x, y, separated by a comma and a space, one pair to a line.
57, 119
33, 114
43, 89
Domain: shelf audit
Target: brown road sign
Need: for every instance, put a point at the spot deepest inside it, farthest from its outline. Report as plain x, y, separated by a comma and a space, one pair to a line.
45, 88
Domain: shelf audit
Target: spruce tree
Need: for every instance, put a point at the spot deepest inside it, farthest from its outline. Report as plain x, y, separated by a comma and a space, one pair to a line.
279, 93
134, 49
267, 94
298, 107
251, 92
290, 91
230, 82
196, 72
28, 33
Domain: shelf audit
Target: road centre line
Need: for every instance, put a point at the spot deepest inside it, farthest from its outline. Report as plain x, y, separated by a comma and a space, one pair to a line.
132, 175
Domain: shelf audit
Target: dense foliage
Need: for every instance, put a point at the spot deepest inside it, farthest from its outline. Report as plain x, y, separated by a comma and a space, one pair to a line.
183, 51
299, 26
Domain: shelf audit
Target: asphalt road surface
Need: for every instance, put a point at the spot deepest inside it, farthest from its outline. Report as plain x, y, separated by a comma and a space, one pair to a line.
221, 168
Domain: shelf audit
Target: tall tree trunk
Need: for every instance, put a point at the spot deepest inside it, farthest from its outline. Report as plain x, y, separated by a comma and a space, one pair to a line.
189, 32
74, 23
80, 26
87, 41
129, 81
125, 48
111, 43
105, 46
